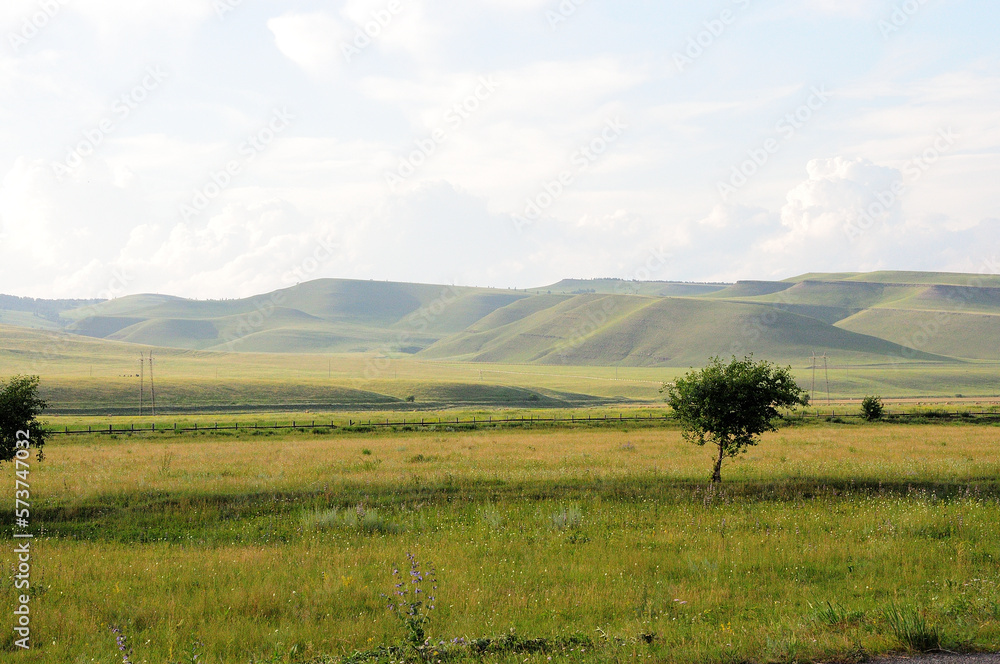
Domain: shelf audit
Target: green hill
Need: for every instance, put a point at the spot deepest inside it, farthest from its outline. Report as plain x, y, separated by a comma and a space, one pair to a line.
902, 277
965, 335
861, 317
326, 315
641, 331
623, 287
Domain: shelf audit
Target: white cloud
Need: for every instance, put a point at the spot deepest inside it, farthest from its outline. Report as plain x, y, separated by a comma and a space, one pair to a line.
451, 220
312, 41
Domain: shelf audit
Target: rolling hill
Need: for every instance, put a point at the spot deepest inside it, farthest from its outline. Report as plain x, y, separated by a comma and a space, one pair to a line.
858, 318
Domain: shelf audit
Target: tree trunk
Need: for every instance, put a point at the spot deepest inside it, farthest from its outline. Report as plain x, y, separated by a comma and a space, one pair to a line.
717, 473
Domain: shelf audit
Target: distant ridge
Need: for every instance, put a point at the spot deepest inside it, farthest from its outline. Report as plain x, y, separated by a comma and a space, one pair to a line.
860, 317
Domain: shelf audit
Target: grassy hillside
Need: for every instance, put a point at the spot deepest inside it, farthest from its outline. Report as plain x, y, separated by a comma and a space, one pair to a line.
623, 287
843, 294
743, 289
966, 335
540, 334
100, 377
961, 299
637, 331
326, 315
903, 277
859, 318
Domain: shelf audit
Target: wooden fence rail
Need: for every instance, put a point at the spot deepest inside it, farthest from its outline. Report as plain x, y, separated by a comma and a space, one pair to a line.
475, 422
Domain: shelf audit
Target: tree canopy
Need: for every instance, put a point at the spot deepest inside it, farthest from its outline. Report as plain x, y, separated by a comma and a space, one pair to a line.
731, 405
20, 407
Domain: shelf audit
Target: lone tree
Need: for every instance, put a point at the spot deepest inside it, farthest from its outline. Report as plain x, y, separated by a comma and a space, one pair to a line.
872, 408
20, 407
731, 405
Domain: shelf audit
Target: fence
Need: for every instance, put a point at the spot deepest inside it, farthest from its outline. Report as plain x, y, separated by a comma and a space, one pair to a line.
487, 422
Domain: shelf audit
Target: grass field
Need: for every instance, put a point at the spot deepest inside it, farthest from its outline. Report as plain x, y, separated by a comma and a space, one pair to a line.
825, 542
99, 377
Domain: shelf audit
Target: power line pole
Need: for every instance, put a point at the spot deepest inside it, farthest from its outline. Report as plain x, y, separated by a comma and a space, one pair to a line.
142, 367
812, 392
826, 370
152, 390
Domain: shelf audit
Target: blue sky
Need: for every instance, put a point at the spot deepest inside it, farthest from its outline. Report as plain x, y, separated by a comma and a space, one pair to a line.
218, 148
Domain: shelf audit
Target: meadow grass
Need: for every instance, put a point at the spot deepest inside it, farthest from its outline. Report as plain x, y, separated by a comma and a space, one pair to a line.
825, 542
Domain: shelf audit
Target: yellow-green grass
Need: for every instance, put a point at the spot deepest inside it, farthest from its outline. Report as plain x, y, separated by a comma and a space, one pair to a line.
960, 412
255, 387
253, 545
101, 377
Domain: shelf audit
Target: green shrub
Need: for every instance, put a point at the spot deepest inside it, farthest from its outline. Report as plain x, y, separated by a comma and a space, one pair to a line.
872, 408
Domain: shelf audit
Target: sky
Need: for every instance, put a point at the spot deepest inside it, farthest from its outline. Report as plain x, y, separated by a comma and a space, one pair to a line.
222, 148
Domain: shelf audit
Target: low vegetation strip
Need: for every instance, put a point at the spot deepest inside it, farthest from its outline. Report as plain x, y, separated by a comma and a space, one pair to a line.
361, 426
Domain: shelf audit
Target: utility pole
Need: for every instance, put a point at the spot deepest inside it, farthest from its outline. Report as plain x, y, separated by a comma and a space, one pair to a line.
826, 371
142, 372
152, 390
812, 392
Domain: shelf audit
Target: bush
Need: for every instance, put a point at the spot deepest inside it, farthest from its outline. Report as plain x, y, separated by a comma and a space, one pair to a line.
872, 408
20, 407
